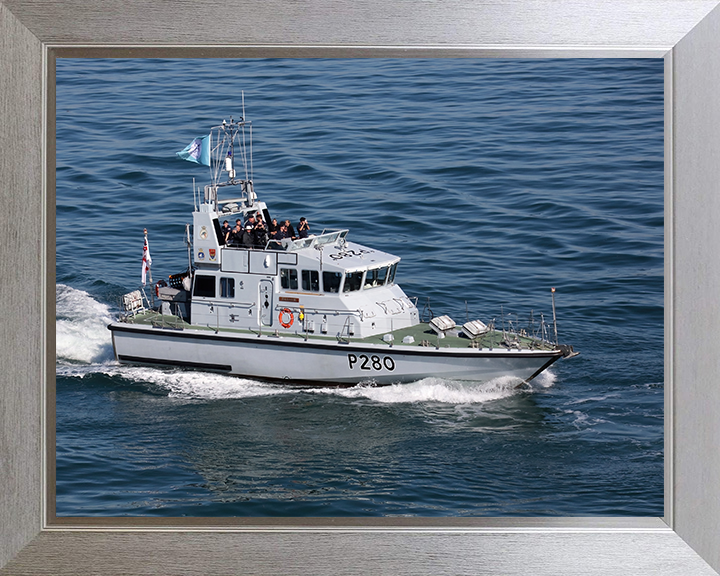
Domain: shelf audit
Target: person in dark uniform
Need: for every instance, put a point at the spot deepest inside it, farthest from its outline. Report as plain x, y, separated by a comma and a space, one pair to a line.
303, 228
248, 237
261, 236
290, 230
226, 229
234, 237
281, 232
273, 227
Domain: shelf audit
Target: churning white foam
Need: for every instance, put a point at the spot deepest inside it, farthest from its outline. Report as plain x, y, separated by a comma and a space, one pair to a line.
200, 385
431, 390
544, 380
81, 333
207, 386
178, 383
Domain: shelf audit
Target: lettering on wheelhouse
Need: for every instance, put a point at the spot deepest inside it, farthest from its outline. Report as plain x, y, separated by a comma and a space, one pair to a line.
371, 363
347, 253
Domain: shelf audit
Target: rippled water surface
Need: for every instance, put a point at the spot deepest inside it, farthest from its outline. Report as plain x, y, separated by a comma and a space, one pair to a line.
493, 180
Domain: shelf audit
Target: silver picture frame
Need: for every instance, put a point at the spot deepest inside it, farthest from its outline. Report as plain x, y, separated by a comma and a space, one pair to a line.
685, 33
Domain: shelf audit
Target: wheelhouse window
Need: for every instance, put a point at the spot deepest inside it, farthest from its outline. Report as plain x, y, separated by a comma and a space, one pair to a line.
311, 280
353, 281
204, 286
331, 281
227, 287
288, 278
375, 277
391, 275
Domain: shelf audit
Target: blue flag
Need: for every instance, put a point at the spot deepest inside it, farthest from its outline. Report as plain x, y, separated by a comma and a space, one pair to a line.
197, 151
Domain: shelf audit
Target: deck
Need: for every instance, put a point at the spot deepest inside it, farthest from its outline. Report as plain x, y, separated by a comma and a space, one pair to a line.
422, 335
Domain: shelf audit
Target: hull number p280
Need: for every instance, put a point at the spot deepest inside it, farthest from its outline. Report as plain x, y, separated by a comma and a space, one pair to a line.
364, 362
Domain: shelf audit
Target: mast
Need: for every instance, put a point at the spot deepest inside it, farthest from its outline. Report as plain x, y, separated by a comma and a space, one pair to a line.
224, 154
229, 160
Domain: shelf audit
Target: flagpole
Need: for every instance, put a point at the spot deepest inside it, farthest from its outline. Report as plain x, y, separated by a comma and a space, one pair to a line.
149, 266
554, 317
146, 250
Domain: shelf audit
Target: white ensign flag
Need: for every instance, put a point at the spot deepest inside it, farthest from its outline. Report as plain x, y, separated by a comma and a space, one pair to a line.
146, 261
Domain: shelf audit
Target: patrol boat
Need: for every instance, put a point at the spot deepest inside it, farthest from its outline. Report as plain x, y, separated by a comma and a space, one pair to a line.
318, 310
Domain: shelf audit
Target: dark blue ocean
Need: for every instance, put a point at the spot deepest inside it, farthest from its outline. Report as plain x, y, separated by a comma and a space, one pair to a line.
493, 180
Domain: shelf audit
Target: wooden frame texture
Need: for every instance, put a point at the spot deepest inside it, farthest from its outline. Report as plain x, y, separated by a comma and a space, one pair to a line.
686, 33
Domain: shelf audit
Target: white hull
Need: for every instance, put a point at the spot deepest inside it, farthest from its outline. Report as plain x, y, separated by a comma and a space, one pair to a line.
313, 362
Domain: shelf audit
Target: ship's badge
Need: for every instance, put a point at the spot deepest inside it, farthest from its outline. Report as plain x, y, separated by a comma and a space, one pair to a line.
201, 255
211, 252
203, 233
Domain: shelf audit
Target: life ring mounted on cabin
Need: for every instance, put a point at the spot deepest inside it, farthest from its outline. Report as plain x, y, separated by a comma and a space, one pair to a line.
286, 318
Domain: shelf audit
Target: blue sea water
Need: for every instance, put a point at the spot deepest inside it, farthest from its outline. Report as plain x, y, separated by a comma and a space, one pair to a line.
494, 180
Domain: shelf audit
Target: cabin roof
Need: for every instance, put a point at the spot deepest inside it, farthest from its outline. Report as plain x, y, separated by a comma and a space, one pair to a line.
352, 256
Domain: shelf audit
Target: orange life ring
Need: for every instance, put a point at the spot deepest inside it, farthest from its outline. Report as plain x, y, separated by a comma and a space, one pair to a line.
290, 321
